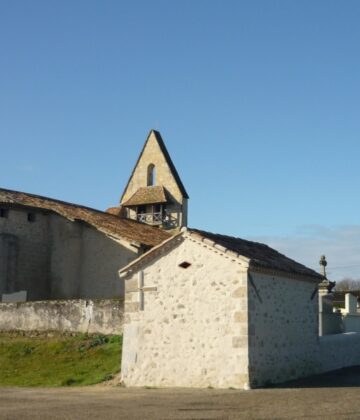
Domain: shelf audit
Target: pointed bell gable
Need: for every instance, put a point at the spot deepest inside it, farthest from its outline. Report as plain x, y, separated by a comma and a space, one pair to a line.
155, 157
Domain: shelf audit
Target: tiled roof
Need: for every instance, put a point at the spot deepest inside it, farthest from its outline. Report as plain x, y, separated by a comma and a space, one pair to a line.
147, 195
129, 230
257, 255
116, 211
168, 160
260, 255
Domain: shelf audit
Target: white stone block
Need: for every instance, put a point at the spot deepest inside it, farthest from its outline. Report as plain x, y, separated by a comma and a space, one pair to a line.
350, 303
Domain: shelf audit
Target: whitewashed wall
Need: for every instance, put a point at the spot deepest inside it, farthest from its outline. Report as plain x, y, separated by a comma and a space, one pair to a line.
193, 329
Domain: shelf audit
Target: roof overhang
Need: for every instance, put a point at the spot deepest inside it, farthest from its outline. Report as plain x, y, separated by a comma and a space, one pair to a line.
147, 195
246, 263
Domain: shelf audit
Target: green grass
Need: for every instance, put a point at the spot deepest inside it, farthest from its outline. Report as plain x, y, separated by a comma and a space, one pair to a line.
58, 360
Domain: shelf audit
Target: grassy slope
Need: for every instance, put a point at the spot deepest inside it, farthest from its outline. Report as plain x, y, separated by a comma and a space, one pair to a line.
59, 360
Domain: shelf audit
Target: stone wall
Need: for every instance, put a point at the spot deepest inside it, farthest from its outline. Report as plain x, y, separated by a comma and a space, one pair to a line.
350, 315
331, 323
54, 258
351, 322
192, 330
283, 328
91, 316
25, 253
216, 324
84, 262
338, 351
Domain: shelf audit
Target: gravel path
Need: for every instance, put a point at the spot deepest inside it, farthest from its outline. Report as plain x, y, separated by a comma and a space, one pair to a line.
331, 396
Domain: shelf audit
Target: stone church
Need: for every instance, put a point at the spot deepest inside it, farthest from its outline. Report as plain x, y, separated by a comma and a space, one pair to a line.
211, 310
50, 249
200, 309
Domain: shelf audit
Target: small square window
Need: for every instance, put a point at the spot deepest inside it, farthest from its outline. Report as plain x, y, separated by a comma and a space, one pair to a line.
184, 264
31, 217
4, 213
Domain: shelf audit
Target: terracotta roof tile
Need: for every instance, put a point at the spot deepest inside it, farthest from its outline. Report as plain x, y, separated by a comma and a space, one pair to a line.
129, 230
147, 195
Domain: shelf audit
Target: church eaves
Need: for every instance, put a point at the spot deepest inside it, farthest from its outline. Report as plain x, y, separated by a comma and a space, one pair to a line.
109, 224
260, 255
257, 256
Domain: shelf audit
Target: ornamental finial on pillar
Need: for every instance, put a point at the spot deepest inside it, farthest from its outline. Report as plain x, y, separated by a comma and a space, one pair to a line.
323, 264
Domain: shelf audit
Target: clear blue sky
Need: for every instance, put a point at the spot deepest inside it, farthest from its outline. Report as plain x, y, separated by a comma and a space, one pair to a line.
257, 101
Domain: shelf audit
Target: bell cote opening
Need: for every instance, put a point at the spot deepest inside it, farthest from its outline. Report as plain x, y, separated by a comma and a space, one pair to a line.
151, 175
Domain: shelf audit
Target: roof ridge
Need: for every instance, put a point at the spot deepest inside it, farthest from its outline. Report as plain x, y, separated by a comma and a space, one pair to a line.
112, 225
253, 262
229, 236
55, 200
299, 268
213, 236
243, 240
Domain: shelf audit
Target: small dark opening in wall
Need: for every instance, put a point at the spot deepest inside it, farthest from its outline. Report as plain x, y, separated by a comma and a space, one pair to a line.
4, 213
31, 217
184, 264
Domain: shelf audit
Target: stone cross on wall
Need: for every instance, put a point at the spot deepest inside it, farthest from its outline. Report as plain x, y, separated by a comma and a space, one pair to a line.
142, 288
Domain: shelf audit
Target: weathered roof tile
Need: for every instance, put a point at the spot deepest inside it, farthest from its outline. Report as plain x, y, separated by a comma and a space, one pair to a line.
260, 255
110, 224
147, 195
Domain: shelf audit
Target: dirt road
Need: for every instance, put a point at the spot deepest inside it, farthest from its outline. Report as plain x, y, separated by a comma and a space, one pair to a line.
329, 396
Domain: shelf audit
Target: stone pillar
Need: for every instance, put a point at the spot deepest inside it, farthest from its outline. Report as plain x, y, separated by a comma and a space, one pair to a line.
323, 264
327, 321
350, 303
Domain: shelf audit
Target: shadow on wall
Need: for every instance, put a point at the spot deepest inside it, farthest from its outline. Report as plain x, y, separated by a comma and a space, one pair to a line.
342, 378
9, 250
55, 258
85, 266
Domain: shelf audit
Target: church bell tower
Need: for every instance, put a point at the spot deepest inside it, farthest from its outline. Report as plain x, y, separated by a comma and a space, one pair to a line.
154, 193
